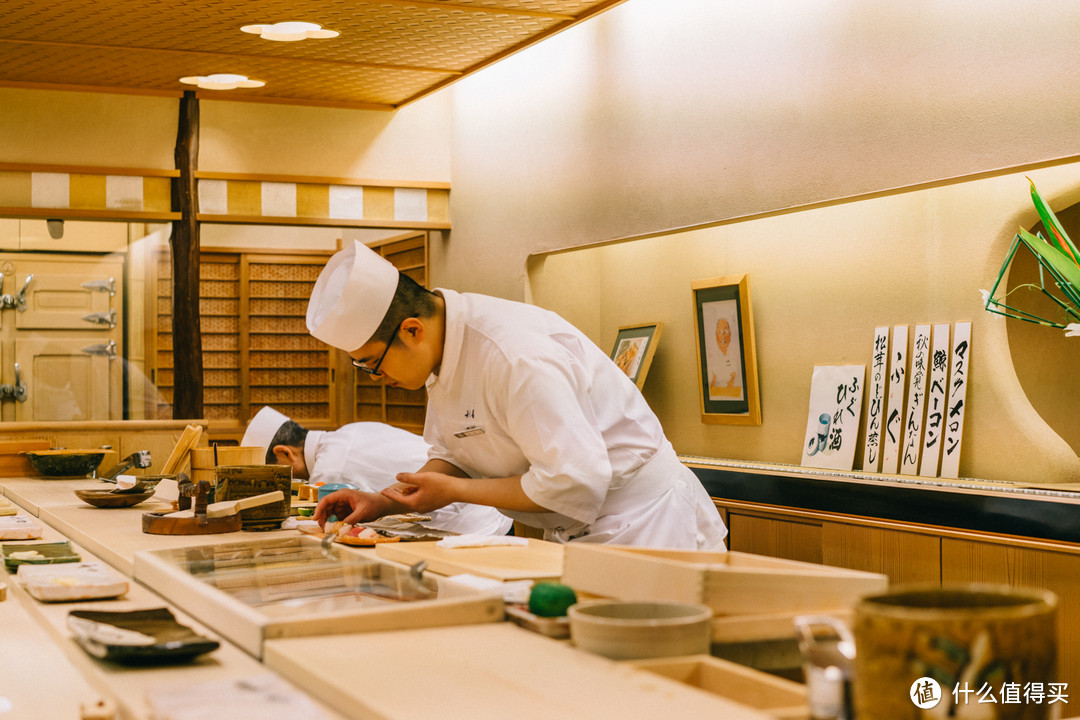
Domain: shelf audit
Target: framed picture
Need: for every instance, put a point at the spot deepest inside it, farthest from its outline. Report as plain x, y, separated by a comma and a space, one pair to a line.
727, 356
634, 348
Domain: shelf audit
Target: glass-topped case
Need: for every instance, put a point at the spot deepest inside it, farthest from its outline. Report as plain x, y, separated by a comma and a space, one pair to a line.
283, 587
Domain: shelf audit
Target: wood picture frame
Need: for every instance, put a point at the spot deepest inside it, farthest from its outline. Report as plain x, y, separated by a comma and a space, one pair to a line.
726, 351
634, 348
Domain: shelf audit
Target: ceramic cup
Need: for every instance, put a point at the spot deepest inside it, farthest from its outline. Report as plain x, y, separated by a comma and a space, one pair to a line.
240, 481
927, 652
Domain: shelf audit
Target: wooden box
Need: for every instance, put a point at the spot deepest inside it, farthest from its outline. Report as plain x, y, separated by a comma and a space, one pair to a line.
754, 597
776, 696
258, 590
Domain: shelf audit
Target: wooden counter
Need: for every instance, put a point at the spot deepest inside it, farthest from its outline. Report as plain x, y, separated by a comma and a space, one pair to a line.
475, 671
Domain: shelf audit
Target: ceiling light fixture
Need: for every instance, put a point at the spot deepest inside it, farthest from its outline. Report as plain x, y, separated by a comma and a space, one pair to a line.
290, 31
221, 81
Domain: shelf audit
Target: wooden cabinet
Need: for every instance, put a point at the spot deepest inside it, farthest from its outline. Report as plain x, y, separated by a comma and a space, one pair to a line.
909, 553
61, 333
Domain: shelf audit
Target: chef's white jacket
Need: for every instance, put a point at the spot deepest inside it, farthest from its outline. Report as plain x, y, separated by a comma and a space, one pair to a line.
520, 391
371, 454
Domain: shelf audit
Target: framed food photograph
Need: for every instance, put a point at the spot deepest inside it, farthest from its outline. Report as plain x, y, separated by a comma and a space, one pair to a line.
726, 353
634, 348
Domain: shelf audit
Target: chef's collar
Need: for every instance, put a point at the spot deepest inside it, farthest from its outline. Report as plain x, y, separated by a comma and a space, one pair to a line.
453, 334
311, 446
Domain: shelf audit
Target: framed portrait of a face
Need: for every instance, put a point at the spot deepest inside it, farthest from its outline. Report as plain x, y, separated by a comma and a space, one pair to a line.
726, 353
634, 348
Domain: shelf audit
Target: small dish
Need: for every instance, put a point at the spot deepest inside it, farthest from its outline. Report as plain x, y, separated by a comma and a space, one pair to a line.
43, 554
72, 581
633, 630
137, 637
113, 499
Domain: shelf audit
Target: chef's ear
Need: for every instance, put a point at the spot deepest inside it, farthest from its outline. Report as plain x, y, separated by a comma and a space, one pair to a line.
286, 454
413, 328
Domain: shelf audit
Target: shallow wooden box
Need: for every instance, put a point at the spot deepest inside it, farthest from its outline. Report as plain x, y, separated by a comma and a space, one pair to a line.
776, 696
754, 597
302, 598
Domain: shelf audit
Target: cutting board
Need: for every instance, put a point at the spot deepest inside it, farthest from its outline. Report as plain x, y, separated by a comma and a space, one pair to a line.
539, 560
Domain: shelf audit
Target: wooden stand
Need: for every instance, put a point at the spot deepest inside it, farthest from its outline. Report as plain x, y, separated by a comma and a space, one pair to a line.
168, 524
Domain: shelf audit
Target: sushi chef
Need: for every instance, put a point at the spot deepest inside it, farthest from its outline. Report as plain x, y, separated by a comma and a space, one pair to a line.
365, 454
525, 413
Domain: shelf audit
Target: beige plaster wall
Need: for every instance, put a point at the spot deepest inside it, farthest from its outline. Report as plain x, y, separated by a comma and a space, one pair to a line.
113, 130
658, 115
821, 280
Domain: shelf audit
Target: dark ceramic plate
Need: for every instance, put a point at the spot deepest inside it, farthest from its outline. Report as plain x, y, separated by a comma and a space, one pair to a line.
111, 499
137, 637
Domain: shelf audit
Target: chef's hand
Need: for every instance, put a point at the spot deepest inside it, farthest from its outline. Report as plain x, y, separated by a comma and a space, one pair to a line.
423, 492
352, 506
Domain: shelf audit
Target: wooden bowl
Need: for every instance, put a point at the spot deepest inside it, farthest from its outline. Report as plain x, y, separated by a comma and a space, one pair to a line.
632, 630
65, 463
109, 499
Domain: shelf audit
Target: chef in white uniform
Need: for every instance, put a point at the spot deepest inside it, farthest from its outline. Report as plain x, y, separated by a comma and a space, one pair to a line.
365, 454
525, 413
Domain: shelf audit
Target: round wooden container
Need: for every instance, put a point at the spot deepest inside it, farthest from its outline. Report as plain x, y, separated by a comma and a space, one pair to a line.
207, 458
240, 481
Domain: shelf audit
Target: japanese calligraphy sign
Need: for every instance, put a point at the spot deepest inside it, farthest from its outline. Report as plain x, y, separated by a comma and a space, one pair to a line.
875, 400
894, 407
954, 414
935, 401
832, 428
916, 403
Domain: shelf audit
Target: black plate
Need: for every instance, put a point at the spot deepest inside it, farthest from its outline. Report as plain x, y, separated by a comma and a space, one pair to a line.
115, 637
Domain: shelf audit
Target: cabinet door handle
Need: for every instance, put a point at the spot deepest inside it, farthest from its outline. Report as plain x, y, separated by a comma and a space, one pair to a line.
102, 318
20, 298
17, 391
108, 286
107, 349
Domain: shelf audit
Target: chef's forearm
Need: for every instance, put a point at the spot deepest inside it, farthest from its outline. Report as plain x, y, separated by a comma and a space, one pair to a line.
444, 467
505, 493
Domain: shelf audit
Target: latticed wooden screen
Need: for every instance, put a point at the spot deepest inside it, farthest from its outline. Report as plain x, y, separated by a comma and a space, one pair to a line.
257, 350
256, 347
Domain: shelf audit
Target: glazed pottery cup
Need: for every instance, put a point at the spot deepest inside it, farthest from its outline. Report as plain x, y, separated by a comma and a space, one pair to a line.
982, 651
241, 481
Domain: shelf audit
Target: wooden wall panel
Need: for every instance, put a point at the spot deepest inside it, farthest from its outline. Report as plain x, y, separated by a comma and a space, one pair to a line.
774, 537
905, 557
972, 561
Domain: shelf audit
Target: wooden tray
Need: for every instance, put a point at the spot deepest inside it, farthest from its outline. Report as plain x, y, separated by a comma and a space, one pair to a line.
731, 583
778, 697
539, 560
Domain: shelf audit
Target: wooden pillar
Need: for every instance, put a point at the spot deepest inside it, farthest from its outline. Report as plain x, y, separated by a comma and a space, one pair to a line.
186, 333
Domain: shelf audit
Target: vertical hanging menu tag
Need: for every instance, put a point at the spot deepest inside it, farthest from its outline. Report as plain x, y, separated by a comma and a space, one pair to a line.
875, 400
954, 413
894, 407
913, 418
935, 401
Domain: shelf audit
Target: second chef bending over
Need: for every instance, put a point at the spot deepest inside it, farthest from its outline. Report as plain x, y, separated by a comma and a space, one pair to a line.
525, 413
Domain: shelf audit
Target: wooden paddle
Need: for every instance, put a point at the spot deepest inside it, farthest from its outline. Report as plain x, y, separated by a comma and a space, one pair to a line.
188, 439
231, 507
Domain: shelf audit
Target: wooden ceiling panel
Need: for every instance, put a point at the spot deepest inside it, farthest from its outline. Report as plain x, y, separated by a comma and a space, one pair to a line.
389, 52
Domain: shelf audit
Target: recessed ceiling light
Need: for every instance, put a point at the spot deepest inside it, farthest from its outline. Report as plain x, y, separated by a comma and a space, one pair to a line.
290, 31
222, 81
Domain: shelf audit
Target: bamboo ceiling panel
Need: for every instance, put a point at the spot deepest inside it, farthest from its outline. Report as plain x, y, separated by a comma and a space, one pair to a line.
389, 52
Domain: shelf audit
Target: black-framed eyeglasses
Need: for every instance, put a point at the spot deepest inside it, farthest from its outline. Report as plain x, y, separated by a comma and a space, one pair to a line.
378, 363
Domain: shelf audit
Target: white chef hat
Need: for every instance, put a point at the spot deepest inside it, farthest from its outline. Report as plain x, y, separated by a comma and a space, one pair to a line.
351, 297
262, 428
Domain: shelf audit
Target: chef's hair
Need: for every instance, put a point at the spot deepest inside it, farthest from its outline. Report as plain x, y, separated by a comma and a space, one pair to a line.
411, 299
290, 433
